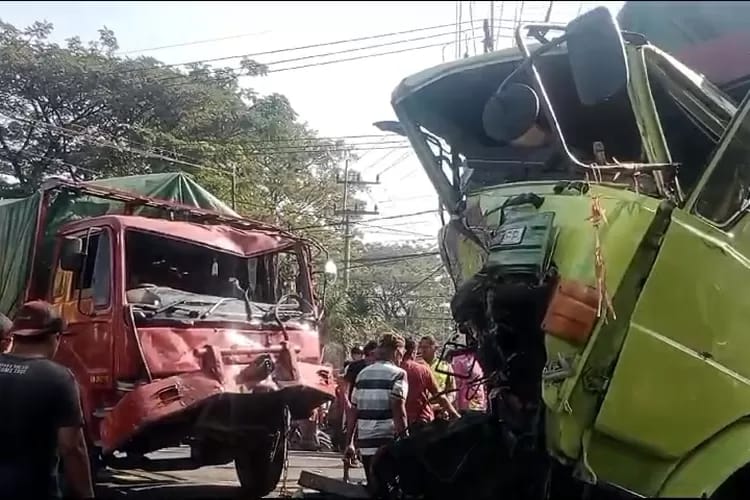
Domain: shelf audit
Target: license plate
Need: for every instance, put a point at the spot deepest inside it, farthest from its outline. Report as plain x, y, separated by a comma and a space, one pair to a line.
512, 236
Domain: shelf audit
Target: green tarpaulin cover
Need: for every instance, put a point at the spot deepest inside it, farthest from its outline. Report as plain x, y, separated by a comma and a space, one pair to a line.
18, 221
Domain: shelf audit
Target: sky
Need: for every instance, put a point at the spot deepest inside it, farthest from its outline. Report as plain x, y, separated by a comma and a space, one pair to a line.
342, 99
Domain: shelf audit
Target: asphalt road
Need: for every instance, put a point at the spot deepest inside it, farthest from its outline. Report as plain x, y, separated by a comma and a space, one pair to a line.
214, 482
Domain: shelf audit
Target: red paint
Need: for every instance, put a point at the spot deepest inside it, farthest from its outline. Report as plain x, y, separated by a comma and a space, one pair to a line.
722, 60
241, 242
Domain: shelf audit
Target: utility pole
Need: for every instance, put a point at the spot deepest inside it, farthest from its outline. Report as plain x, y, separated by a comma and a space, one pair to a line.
492, 26
347, 214
487, 42
234, 187
549, 13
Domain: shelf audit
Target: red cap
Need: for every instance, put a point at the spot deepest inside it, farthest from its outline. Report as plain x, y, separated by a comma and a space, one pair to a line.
37, 318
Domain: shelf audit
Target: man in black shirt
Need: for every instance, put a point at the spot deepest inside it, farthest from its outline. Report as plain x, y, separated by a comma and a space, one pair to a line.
352, 369
42, 421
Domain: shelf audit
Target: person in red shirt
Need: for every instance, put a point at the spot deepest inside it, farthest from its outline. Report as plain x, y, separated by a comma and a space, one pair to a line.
423, 390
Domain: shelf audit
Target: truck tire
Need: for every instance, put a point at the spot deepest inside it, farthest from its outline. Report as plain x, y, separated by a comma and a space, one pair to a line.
257, 474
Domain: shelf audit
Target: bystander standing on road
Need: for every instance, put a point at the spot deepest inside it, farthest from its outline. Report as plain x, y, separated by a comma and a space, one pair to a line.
42, 417
440, 369
5, 326
422, 389
470, 391
379, 399
349, 377
356, 354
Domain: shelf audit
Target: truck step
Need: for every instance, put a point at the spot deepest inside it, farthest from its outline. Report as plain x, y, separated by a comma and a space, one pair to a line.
101, 412
125, 386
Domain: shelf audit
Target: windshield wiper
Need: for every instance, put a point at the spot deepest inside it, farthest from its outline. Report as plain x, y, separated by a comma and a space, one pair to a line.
191, 312
170, 306
213, 308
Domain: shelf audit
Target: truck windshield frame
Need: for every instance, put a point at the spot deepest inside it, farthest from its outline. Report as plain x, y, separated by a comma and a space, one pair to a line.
707, 106
189, 267
700, 98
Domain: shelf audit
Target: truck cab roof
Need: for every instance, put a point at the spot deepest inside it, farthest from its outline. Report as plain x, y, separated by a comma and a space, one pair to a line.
243, 242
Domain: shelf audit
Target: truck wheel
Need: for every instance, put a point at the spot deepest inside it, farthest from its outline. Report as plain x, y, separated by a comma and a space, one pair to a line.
257, 474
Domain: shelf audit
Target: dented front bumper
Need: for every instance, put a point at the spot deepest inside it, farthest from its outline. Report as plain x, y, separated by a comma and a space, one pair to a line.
237, 392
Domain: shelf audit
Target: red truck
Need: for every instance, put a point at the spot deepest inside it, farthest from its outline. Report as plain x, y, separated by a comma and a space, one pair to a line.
190, 326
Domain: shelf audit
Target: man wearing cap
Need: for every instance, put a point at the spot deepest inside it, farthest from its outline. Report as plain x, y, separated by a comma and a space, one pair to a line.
43, 418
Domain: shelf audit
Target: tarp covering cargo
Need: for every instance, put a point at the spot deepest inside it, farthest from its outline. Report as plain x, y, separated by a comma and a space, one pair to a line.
710, 37
18, 221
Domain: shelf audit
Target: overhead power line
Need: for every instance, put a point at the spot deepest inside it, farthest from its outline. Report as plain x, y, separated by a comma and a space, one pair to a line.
291, 49
309, 65
192, 163
406, 256
393, 260
400, 160
191, 43
374, 219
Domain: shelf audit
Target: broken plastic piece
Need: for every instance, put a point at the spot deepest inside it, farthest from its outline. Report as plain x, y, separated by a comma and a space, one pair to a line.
572, 312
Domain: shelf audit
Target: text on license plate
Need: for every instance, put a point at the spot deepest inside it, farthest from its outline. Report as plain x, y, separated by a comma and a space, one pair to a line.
512, 236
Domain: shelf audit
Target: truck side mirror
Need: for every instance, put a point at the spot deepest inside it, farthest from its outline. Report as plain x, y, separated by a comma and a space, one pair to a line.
596, 52
71, 254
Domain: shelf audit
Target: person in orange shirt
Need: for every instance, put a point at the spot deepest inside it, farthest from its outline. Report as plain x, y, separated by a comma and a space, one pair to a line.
423, 388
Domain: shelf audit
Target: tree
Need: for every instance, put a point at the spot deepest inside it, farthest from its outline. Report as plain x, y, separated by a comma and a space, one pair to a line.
80, 111
393, 287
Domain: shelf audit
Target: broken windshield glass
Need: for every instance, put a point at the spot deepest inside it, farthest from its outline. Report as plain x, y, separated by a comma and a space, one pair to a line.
206, 275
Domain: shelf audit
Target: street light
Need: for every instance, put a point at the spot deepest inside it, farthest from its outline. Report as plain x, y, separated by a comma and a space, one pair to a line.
330, 269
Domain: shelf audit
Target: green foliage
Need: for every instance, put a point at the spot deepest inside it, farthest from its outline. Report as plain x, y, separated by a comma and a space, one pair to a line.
80, 111
389, 291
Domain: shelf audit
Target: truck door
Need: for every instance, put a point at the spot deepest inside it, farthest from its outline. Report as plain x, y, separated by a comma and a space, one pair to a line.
84, 298
684, 370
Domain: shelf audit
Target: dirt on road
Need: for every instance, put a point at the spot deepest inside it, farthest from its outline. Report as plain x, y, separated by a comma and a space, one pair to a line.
218, 482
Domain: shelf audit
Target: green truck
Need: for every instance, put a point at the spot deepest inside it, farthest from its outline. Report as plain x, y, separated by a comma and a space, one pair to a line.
599, 242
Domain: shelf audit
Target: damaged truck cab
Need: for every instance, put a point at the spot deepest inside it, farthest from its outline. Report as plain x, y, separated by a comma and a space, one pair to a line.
191, 328
600, 245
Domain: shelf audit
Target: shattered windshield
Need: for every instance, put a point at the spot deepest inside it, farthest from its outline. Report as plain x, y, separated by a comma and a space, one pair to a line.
165, 302
497, 139
176, 278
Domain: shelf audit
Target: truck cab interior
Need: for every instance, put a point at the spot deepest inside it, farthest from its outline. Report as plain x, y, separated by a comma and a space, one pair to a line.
489, 132
189, 267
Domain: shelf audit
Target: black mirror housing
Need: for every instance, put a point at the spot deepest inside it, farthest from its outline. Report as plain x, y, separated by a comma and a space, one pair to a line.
71, 254
596, 51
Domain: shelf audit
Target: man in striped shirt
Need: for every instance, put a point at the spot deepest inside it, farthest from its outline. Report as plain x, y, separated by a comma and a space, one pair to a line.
379, 397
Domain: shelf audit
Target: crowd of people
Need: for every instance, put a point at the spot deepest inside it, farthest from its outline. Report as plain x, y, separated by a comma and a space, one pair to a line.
396, 385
